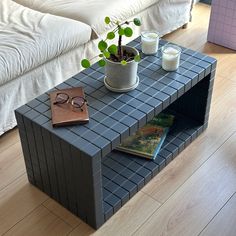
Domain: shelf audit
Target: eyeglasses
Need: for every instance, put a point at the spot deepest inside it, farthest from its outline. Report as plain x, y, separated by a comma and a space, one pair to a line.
77, 101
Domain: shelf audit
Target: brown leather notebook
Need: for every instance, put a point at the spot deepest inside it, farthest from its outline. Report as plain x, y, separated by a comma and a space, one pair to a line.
66, 107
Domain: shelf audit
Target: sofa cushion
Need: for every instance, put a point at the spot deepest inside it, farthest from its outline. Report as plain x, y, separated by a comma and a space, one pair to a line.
29, 38
91, 12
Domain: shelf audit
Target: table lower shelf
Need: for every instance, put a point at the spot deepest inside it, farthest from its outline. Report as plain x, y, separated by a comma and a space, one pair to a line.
124, 174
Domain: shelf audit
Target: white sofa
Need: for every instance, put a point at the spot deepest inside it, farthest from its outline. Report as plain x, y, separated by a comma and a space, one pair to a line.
42, 42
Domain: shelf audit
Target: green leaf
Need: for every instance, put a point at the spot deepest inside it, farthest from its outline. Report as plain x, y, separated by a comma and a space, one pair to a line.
123, 62
113, 49
85, 63
106, 54
137, 21
107, 20
100, 55
137, 58
101, 63
111, 35
128, 32
102, 45
121, 31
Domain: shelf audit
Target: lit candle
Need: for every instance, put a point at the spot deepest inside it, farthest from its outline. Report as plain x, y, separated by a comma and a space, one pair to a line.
170, 57
150, 42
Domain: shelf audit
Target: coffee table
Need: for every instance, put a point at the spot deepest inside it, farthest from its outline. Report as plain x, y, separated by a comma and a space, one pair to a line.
77, 165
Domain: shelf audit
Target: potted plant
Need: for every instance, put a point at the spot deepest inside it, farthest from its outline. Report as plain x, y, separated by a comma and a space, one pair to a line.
121, 62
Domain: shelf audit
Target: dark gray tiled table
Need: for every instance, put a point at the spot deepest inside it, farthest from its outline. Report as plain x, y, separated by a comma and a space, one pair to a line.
77, 166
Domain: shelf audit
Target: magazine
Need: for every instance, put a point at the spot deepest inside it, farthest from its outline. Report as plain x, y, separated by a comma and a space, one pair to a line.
147, 141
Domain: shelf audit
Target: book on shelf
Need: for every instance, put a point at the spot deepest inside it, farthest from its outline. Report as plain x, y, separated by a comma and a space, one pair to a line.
69, 107
147, 141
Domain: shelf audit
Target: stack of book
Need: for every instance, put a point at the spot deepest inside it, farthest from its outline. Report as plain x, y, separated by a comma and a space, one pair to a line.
147, 141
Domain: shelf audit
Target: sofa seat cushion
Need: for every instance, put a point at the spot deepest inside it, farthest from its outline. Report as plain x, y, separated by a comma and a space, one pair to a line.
29, 38
91, 12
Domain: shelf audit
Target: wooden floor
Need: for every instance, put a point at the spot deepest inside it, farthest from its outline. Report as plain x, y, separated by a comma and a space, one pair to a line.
194, 195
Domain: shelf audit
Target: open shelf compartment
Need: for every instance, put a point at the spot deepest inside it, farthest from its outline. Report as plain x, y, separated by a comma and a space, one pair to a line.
125, 174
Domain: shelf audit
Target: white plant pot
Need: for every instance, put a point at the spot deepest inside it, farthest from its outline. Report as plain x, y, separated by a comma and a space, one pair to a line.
122, 78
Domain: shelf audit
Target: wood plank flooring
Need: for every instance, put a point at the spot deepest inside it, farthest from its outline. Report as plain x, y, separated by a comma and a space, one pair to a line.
192, 206
194, 195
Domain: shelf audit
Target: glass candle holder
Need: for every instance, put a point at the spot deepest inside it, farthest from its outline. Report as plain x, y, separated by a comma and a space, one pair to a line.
170, 57
150, 42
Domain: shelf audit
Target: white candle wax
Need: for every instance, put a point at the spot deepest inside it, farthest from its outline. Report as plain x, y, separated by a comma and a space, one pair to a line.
170, 58
150, 42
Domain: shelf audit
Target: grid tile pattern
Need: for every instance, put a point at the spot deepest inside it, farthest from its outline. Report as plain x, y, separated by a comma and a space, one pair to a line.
110, 112
222, 27
125, 174
76, 165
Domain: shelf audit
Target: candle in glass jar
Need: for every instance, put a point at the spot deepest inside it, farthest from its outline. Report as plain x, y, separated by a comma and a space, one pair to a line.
170, 57
150, 42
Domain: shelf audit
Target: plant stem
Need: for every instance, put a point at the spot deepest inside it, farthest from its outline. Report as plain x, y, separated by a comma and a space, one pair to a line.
129, 59
120, 53
126, 23
119, 46
116, 29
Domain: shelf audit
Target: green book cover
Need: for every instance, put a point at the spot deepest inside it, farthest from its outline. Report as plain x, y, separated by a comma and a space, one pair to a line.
147, 141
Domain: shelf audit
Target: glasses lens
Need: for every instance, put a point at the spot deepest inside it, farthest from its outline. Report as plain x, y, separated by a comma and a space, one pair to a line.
61, 98
78, 101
